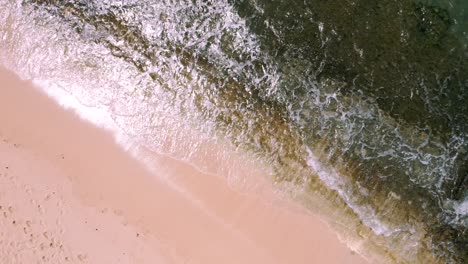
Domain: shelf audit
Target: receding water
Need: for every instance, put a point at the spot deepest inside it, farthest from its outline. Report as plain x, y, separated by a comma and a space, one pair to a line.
359, 107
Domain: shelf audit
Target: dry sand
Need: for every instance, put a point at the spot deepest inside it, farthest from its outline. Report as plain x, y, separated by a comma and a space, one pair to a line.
69, 193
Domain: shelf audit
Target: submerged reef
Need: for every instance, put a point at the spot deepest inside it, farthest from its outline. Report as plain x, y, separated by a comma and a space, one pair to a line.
363, 103
403, 58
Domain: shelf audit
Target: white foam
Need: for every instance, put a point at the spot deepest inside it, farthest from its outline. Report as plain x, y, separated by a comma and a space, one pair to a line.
94, 114
462, 208
340, 184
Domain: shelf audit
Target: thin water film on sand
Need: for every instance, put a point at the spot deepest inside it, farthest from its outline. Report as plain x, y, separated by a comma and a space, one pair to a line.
359, 106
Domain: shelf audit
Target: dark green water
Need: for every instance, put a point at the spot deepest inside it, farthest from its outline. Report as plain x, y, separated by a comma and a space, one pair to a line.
362, 105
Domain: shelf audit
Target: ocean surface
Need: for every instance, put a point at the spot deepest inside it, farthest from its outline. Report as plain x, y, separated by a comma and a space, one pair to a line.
358, 107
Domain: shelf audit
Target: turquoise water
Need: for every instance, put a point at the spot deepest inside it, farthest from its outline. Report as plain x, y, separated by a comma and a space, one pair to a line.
360, 107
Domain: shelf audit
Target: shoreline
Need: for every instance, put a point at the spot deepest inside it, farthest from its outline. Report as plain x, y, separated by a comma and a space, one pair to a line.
102, 201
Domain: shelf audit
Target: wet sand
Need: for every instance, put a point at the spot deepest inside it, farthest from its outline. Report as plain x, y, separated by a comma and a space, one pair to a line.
70, 193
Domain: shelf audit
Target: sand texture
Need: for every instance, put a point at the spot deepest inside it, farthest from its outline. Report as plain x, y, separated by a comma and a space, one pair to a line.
70, 194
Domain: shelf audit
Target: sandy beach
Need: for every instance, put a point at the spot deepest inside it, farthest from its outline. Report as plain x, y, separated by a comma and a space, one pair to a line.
70, 194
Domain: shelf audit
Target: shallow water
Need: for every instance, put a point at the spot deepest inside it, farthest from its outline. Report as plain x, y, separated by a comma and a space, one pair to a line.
359, 107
